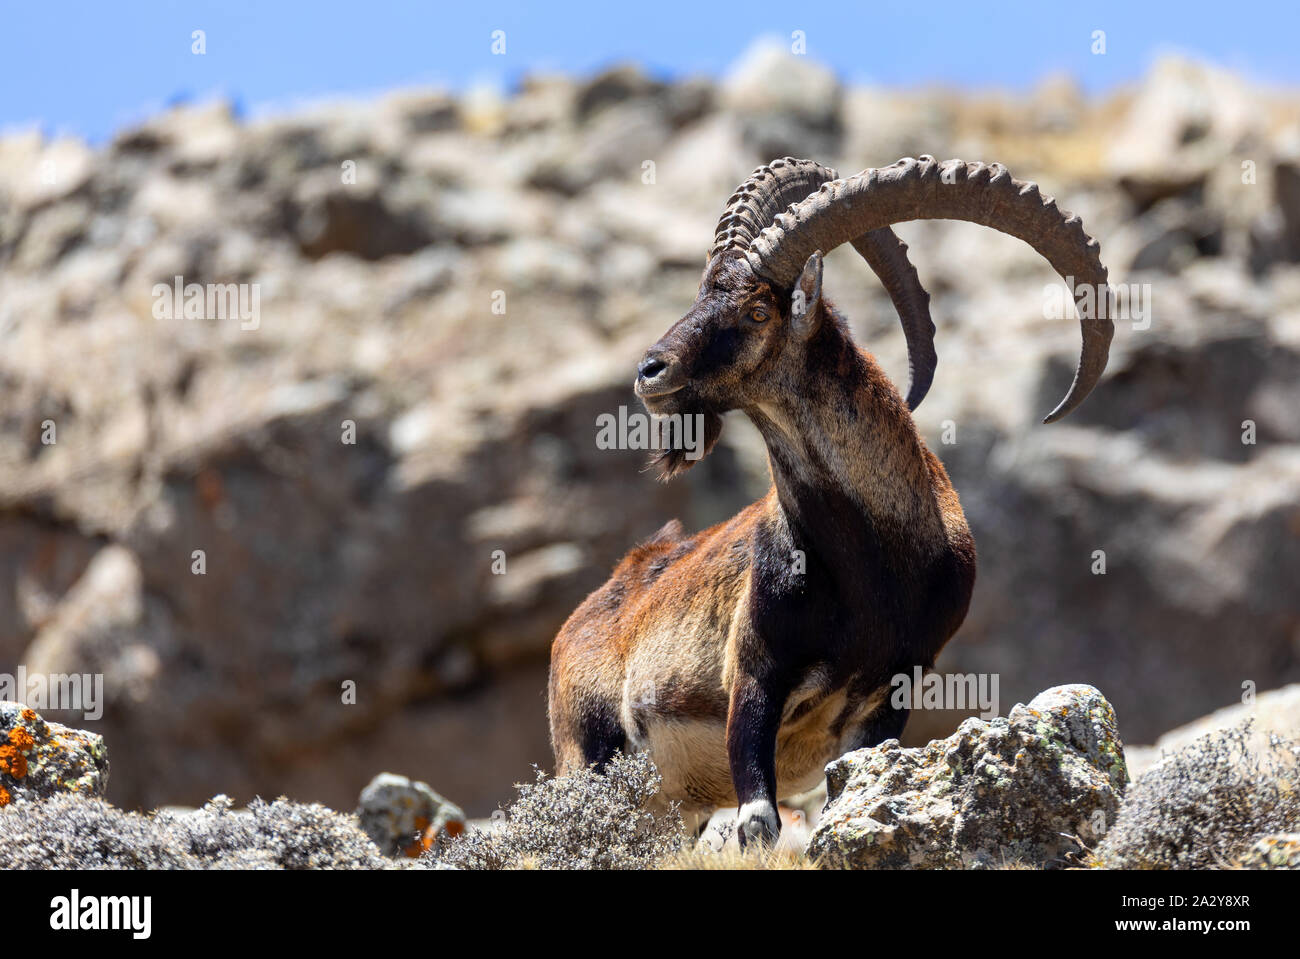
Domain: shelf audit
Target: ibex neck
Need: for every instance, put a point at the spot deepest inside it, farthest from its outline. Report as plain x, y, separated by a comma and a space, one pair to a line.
843, 451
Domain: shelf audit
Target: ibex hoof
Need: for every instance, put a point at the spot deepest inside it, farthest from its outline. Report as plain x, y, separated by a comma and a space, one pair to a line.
758, 823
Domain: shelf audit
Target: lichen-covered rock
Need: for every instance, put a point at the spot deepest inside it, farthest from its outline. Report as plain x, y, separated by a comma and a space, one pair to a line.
996, 792
39, 759
1280, 851
405, 817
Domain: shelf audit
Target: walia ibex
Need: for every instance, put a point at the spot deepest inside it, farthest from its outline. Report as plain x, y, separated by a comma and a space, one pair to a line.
745, 657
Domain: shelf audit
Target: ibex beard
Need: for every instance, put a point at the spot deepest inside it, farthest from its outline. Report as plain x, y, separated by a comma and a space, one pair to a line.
745, 657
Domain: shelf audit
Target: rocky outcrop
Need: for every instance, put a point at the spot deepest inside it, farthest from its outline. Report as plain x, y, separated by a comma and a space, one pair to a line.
996, 793
1030, 791
451, 289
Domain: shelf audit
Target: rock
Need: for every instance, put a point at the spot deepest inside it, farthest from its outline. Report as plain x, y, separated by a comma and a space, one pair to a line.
38, 564
1186, 119
614, 144
1167, 237
615, 85
994, 793
786, 104
39, 759
193, 136
1197, 550
880, 126
1286, 196
424, 111
335, 218
107, 626
404, 817
39, 172
770, 79
1057, 104
1279, 851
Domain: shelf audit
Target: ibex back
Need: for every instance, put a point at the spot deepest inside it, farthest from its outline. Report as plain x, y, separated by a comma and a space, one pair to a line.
745, 657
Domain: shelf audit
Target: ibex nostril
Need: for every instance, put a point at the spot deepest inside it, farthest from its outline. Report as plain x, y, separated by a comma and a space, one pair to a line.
651, 367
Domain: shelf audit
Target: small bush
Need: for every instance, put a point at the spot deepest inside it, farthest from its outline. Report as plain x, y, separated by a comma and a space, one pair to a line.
273, 835
72, 832
588, 820
1202, 806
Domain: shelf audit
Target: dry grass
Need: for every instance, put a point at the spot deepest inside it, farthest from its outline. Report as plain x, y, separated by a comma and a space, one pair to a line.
731, 857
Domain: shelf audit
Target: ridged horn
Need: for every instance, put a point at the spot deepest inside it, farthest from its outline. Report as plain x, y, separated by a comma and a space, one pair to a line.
842, 210
771, 189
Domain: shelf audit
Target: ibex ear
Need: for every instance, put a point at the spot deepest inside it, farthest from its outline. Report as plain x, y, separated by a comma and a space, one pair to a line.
806, 298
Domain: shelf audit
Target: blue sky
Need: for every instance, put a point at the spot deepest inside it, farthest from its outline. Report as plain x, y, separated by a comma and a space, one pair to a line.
90, 68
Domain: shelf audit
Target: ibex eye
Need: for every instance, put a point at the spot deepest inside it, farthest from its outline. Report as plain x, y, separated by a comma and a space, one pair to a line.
758, 316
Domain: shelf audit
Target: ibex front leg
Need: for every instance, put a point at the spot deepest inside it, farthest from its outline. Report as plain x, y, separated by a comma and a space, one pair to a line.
752, 723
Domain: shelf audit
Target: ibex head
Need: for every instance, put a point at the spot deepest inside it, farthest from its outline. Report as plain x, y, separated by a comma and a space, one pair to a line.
750, 333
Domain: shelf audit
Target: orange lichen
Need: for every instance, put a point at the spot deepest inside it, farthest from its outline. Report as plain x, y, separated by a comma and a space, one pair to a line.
12, 760
29, 715
421, 842
4, 797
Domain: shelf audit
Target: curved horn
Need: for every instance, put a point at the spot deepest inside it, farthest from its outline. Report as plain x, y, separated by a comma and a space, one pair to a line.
925, 190
771, 189
886, 254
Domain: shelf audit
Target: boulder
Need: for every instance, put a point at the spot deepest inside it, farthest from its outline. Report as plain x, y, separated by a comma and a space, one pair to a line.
404, 817
786, 103
1186, 119
1025, 790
